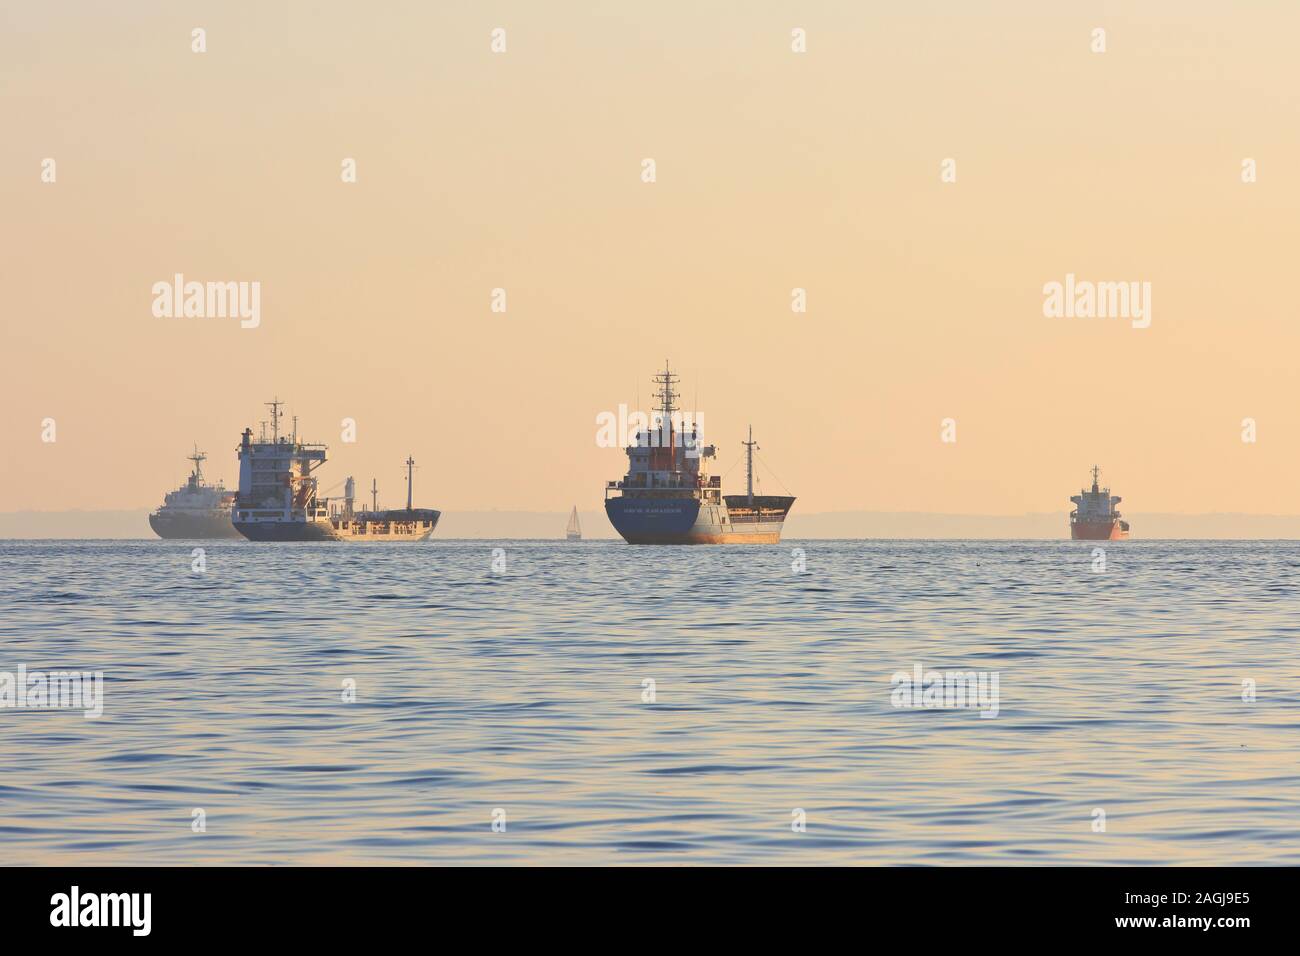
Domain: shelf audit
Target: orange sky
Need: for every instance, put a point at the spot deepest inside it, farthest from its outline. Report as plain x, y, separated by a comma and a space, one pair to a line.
775, 170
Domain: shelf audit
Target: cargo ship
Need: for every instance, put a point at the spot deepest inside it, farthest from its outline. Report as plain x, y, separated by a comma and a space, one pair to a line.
195, 509
1094, 517
667, 496
278, 499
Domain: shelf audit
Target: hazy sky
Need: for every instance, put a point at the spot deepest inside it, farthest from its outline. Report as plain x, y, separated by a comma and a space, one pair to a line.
775, 170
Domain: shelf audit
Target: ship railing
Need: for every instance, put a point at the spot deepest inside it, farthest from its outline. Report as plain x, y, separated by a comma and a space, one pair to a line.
657, 485
680, 481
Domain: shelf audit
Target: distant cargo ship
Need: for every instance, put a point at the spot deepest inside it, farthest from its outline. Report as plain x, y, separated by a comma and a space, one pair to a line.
667, 497
195, 509
1095, 517
278, 499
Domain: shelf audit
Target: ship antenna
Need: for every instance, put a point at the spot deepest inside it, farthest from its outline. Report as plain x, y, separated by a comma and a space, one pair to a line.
274, 405
1095, 471
410, 467
666, 394
198, 458
749, 466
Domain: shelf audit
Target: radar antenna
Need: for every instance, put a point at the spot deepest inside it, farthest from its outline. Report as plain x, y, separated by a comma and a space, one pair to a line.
667, 396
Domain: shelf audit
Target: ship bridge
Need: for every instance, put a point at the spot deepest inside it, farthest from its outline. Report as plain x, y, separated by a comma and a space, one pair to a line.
1097, 503
666, 458
275, 474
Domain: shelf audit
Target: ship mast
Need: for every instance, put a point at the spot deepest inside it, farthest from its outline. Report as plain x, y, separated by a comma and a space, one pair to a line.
667, 396
667, 400
749, 465
410, 467
198, 458
274, 406
1095, 472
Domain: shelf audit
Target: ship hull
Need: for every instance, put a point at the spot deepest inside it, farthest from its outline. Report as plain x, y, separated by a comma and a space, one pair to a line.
1098, 530
399, 528
396, 531
643, 520
192, 526
263, 531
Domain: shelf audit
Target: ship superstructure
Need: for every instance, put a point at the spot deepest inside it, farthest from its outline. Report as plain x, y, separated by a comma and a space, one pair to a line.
1094, 517
668, 497
196, 509
279, 500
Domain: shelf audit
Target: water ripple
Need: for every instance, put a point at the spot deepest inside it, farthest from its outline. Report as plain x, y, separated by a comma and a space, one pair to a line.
326, 704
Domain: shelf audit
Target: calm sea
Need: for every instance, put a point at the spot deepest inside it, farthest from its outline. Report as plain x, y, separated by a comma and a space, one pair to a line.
514, 686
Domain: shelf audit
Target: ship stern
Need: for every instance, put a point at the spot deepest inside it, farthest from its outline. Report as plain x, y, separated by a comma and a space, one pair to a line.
653, 520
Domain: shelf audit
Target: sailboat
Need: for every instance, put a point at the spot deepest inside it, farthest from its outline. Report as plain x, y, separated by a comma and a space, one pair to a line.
574, 531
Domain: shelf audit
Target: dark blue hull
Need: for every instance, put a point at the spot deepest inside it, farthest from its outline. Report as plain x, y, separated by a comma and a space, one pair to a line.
286, 530
649, 520
653, 520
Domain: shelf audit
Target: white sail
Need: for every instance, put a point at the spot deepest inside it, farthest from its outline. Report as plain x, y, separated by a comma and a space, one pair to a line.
574, 531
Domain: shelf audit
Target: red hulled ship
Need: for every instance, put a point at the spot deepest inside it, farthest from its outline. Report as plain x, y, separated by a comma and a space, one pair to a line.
1094, 517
